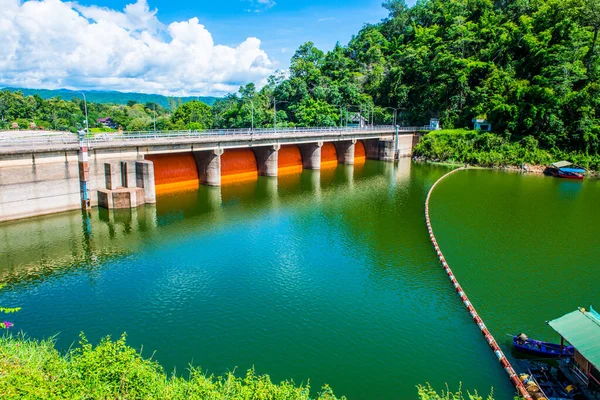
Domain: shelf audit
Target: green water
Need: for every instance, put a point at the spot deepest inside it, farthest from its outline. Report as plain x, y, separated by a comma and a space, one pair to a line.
327, 276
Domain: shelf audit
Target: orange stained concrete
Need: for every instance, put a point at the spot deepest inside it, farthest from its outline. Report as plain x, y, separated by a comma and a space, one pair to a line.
174, 172
328, 155
289, 160
238, 165
360, 154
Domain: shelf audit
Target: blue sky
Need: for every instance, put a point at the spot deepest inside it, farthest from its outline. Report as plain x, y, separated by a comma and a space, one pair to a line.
281, 27
164, 46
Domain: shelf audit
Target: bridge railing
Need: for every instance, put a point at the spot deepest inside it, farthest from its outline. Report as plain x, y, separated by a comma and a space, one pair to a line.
33, 142
249, 132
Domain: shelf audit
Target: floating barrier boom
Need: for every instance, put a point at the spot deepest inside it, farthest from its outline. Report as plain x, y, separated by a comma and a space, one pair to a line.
514, 378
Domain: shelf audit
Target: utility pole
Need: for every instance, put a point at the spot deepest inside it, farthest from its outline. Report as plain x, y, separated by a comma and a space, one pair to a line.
87, 131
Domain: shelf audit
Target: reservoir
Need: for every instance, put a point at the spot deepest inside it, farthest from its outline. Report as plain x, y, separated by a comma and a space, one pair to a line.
322, 276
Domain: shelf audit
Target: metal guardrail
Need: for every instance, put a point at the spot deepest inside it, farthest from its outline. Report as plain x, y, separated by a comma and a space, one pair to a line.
49, 141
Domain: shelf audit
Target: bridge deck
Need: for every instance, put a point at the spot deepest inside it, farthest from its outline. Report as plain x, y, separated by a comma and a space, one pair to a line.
198, 140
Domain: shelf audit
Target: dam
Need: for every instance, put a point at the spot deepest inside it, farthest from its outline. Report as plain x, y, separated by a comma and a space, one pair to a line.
44, 175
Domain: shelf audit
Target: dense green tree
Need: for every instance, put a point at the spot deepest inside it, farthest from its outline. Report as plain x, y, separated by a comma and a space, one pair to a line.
194, 115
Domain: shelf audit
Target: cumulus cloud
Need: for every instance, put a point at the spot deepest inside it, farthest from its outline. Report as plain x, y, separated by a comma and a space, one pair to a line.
56, 44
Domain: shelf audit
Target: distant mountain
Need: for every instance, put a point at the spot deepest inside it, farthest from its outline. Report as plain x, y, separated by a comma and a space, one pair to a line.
101, 96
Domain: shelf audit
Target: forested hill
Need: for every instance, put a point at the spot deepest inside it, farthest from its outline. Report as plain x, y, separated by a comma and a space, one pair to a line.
529, 66
111, 97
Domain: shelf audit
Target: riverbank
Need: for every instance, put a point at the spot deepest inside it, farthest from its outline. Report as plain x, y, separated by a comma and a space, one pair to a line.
489, 150
528, 169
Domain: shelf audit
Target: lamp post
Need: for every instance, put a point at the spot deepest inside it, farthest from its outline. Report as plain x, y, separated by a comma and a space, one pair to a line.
395, 113
87, 130
275, 102
154, 117
252, 104
359, 107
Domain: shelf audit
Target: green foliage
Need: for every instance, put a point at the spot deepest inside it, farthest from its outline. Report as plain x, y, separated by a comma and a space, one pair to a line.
491, 150
426, 392
194, 115
316, 113
63, 115
36, 370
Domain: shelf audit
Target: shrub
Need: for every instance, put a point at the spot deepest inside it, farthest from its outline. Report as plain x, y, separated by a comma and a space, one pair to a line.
492, 150
33, 369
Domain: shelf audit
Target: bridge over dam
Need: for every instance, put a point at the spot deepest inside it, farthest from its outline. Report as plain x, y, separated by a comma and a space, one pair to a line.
45, 174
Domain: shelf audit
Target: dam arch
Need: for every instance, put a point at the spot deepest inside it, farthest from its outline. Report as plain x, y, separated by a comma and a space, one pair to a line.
174, 171
289, 160
238, 165
329, 155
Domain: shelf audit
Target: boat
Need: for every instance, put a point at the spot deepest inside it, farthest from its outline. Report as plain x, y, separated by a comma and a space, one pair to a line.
541, 349
544, 382
566, 170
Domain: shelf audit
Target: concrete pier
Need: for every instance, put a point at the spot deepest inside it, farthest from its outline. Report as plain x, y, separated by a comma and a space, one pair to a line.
121, 198
209, 166
144, 172
345, 152
311, 155
266, 160
386, 150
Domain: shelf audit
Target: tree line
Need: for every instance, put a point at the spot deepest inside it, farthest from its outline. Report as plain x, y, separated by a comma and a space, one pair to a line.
18, 111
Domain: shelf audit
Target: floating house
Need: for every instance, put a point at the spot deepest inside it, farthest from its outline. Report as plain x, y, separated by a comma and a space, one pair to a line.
481, 124
581, 329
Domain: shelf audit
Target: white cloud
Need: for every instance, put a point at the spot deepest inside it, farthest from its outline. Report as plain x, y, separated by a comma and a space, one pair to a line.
260, 5
52, 44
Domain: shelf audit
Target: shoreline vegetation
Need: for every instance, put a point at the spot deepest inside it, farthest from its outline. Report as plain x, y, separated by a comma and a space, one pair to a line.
490, 150
35, 369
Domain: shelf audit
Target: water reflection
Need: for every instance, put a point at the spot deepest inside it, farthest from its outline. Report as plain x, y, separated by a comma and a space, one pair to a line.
32, 250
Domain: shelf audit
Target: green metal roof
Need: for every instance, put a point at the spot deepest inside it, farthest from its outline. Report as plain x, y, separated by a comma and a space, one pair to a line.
582, 330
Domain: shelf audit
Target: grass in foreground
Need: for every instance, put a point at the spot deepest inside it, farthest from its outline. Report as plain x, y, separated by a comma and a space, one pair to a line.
31, 369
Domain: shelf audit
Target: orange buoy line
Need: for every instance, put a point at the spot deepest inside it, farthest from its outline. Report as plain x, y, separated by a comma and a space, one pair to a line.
514, 378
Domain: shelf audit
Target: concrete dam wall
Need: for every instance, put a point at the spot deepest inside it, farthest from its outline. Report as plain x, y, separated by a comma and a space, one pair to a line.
47, 180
